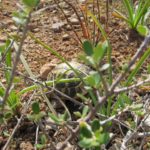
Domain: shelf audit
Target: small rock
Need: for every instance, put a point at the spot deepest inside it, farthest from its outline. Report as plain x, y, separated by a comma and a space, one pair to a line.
13, 28
65, 37
5, 13
8, 22
3, 38
45, 69
56, 27
67, 13
3, 81
63, 5
36, 30
146, 123
68, 28
74, 21
26, 146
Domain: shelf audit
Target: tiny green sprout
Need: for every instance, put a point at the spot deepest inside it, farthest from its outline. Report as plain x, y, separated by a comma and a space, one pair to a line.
92, 136
84, 112
136, 15
88, 47
36, 115
61, 119
93, 80
43, 141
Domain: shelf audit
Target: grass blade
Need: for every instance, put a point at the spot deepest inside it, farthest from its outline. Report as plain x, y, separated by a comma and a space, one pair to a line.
105, 38
130, 9
139, 64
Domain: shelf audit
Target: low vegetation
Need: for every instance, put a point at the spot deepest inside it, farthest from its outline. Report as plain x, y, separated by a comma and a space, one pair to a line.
111, 114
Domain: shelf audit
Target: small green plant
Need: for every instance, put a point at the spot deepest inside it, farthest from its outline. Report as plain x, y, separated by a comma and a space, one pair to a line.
136, 15
36, 114
13, 101
5, 54
103, 104
42, 143
11, 107
92, 136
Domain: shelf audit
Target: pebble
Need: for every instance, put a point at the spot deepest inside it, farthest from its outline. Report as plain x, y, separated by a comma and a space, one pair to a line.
56, 27
74, 21
64, 5
3, 38
67, 13
13, 28
146, 123
68, 28
36, 30
65, 37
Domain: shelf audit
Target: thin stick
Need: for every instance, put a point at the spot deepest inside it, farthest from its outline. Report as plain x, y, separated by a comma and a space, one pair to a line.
99, 16
16, 61
124, 89
36, 135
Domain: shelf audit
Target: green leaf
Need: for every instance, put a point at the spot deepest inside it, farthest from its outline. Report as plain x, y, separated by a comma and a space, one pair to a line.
130, 9
55, 118
36, 117
95, 125
43, 139
31, 3
78, 114
13, 101
39, 146
85, 111
6, 134
105, 67
20, 18
2, 48
102, 138
122, 101
99, 51
119, 15
88, 143
139, 64
36, 108
64, 116
88, 47
85, 130
90, 80
143, 30
93, 79
8, 114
